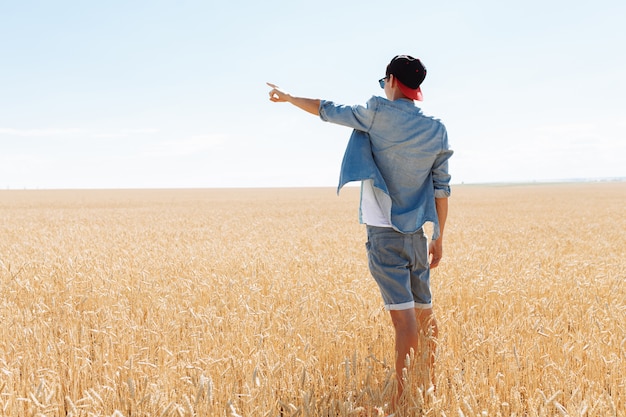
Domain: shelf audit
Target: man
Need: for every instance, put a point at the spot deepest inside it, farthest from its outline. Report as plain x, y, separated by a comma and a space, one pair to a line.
401, 157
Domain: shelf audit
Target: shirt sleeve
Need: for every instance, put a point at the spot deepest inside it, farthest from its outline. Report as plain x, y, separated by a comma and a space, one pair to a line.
357, 117
441, 177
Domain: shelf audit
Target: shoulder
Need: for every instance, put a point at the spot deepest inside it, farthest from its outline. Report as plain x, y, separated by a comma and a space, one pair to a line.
376, 102
432, 119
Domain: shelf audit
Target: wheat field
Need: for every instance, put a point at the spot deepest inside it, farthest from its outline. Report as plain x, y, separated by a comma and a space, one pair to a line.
258, 302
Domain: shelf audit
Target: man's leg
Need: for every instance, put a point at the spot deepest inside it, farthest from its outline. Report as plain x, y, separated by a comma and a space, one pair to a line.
415, 329
407, 338
428, 332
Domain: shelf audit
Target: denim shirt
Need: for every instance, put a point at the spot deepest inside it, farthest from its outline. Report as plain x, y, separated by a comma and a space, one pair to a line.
402, 151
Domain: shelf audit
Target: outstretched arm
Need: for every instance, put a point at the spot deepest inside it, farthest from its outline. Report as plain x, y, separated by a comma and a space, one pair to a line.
310, 105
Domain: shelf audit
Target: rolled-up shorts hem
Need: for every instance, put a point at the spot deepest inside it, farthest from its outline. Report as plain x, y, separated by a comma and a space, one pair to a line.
407, 306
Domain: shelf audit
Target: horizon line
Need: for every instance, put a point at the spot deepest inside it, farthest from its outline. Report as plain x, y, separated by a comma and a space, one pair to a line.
242, 187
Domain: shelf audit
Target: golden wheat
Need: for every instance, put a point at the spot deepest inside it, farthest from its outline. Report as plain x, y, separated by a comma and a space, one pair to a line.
259, 303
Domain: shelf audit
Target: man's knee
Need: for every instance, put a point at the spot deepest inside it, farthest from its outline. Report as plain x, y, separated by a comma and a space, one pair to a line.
426, 322
403, 319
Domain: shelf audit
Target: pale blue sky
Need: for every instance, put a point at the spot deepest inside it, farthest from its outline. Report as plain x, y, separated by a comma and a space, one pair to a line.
133, 94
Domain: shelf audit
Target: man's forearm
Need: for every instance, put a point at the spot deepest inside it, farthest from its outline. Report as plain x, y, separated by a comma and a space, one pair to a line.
311, 105
435, 249
441, 204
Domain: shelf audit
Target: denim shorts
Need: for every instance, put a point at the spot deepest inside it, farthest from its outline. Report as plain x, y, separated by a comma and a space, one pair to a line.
399, 264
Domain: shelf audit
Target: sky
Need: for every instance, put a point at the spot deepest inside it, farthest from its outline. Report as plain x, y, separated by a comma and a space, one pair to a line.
172, 94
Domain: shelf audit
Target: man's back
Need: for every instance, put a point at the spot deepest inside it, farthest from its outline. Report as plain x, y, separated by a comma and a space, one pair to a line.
406, 145
409, 155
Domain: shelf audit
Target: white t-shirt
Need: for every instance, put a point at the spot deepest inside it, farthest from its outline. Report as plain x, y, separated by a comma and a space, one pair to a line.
371, 212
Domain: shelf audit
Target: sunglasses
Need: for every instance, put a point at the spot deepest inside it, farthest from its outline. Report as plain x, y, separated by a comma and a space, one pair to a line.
381, 82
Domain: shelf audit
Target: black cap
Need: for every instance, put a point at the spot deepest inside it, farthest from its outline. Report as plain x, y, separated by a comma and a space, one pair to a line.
410, 72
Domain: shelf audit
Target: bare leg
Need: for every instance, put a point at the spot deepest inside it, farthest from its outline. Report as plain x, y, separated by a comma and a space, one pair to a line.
407, 338
415, 329
427, 325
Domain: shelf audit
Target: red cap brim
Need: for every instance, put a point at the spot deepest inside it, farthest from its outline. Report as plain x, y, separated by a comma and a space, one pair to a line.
413, 94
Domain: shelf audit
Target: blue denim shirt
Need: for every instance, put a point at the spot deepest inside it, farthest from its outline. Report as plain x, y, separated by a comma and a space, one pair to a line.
403, 152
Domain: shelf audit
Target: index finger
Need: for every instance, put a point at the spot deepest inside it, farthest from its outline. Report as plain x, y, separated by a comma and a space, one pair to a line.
271, 85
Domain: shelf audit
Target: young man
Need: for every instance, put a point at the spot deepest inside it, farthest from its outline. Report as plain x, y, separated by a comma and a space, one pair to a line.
401, 157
